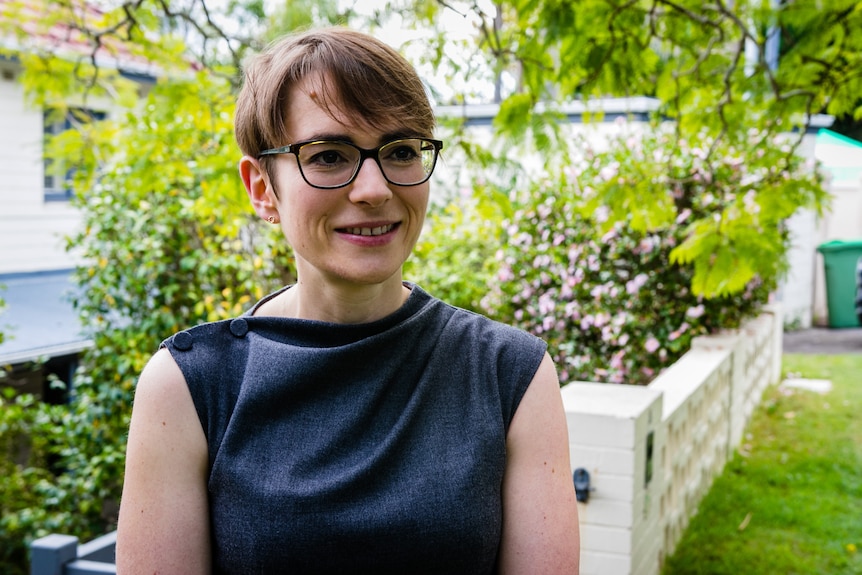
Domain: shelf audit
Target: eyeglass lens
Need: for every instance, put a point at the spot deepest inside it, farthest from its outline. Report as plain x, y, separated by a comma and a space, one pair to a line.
333, 164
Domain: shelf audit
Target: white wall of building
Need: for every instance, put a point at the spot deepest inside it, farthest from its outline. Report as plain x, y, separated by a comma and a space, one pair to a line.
32, 231
803, 293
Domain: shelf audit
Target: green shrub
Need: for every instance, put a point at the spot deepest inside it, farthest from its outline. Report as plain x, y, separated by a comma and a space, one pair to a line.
27, 506
169, 241
620, 293
454, 258
2, 309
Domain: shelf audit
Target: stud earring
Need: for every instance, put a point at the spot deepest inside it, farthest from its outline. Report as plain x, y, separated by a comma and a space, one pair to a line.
272, 220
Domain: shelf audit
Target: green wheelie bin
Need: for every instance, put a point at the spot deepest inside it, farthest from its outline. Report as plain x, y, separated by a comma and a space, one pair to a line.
840, 258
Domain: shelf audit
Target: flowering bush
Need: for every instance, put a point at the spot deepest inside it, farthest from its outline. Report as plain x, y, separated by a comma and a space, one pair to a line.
623, 259
733, 198
612, 308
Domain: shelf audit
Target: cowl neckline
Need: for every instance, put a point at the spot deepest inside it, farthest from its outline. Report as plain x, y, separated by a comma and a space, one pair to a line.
317, 333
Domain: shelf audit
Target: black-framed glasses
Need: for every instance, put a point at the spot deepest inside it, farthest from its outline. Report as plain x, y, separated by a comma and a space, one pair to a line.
329, 164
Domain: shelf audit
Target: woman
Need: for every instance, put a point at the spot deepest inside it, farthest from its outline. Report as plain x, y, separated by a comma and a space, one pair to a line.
350, 423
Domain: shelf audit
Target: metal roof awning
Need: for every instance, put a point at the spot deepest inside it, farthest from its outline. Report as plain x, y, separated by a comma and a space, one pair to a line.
39, 321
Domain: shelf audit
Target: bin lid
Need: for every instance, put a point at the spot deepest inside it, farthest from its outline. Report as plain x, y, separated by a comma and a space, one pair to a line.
840, 245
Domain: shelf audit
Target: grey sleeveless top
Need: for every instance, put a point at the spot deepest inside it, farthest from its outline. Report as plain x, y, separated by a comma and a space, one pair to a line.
371, 448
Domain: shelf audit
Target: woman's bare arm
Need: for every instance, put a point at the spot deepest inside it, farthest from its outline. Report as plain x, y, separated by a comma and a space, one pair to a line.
164, 519
540, 513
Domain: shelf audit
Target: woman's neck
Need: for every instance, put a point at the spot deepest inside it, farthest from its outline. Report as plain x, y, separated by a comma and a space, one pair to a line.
340, 303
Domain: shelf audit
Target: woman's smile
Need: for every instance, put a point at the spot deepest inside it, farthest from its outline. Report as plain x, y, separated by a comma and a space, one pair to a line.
369, 231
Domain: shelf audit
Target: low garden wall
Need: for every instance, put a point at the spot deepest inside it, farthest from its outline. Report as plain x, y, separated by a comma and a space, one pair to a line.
652, 451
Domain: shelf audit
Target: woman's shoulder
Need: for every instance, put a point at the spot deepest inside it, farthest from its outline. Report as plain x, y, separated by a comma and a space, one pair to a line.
490, 329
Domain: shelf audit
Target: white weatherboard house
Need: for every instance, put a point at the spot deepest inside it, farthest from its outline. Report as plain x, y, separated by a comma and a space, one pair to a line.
36, 216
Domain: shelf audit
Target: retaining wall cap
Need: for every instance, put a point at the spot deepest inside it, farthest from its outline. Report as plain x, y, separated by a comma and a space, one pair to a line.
610, 399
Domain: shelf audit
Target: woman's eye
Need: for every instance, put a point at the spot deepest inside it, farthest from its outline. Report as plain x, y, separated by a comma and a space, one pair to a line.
324, 158
403, 154
328, 157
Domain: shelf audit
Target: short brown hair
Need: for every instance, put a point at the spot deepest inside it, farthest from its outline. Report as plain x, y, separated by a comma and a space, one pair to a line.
357, 73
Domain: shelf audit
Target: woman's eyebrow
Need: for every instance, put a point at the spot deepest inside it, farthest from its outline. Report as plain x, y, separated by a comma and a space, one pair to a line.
400, 135
341, 137
331, 136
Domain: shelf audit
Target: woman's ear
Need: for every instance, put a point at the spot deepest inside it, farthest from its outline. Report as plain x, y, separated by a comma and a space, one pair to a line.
258, 188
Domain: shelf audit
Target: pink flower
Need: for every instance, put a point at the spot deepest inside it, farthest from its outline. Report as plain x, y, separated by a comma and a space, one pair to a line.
546, 304
577, 277
636, 283
601, 214
609, 171
695, 312
646, 246
651, 344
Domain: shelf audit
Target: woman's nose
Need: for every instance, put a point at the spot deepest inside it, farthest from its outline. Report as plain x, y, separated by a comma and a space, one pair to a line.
370, 186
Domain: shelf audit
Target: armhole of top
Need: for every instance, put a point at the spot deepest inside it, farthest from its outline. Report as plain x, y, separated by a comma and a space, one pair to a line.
527, 375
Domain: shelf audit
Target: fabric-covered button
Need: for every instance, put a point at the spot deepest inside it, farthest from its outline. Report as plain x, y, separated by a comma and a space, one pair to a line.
239, 327
183, 341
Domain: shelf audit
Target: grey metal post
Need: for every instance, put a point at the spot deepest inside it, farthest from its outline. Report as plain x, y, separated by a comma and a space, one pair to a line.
49, 554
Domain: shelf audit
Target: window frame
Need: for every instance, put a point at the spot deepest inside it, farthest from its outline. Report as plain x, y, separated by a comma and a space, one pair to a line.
56, 179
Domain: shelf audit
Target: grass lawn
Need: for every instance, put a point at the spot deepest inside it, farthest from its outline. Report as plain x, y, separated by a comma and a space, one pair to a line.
790, 500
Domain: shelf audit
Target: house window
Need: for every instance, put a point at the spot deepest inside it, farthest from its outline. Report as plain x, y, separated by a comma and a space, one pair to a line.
58, 176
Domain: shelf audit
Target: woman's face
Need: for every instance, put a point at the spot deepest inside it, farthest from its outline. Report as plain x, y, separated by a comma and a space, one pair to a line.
359, 234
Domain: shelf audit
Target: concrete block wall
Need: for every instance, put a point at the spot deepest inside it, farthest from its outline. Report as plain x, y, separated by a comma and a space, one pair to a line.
694, 436
608, 430
653, 451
